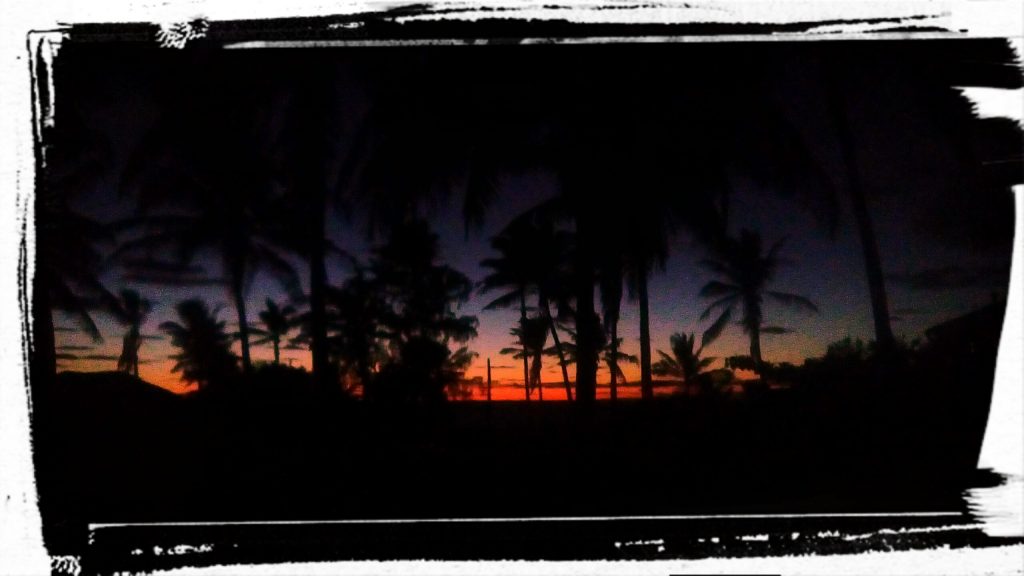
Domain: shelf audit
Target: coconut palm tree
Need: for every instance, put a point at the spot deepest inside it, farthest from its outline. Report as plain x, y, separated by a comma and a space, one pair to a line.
355, 334
71, 245
420, 318
277, 321
205, 357
533, 256
213, 194
511, 271
226, 225
610, 279
132, 312
532, 336
746, 273
684, 362
614, 358
646, 250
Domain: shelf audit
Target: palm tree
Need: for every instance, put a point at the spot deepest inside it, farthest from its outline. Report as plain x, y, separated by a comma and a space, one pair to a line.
355, 314
646, 249
215, 193
355, 334
684, 362
318, 154
532, 336
132, 312
277, 322
551, 275
205, 357
512, 270
613, 358
420, 318
532, 258
610, 278
70, 244
858, 201
229, 223
746, 273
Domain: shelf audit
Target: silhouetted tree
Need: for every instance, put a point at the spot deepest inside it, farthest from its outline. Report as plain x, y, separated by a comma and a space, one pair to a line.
215, 193
512, 270
614, 358
684, 362
646, 248
610, 278
277, 322
420, 317
861, 214
355, 334
205, 357
323, 141
532, 335
746, 273
132, 311
70, 244
533, 257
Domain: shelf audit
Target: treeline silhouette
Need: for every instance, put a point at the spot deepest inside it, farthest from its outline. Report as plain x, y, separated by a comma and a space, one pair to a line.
262, 184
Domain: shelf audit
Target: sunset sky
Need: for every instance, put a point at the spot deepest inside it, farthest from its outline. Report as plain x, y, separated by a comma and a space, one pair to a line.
908, 155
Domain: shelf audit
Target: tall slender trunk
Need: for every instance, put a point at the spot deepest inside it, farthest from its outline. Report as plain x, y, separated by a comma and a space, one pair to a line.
586, 346
873, 267
237, 294
546, 310
865, 228
488, 379
614, 367
587, 321
646, 386
540, 384
137, 340
310, 161
522, 342
755, 347
277, 350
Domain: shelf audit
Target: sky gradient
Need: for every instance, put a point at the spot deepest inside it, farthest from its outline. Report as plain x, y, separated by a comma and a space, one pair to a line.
910, 154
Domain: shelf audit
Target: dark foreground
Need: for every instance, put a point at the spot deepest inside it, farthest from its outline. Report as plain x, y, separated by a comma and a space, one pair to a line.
118, 450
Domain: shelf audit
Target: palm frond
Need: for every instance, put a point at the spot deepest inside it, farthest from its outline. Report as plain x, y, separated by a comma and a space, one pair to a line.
794, 300
724, 301
716, 288
713, 331
507, 300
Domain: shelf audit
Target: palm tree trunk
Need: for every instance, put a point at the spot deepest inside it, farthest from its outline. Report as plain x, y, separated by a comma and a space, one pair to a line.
277, 351
243, 323
587, 323
873, 267
310, 155
137, 343
755, 347
646, 386
615, 358
540, 384
544, 306
865, 228
522, 342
